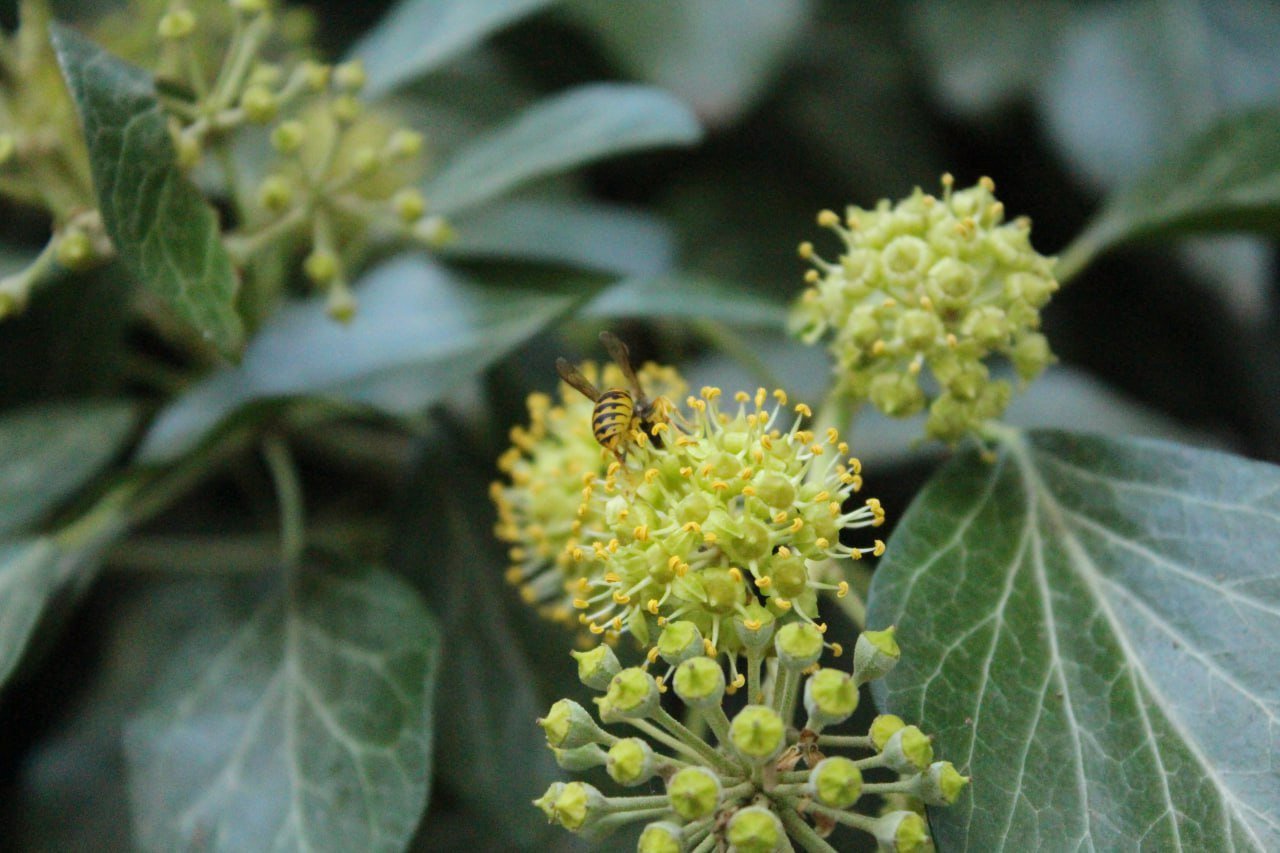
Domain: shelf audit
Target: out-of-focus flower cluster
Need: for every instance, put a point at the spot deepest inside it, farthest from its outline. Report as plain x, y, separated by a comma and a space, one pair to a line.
944, 283
757, 783
730, 513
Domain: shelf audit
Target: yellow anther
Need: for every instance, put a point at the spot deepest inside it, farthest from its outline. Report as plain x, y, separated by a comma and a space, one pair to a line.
737, 683
821, 626
834, 508
828, 219
805, 250
614, 467
879, 548
578, 554
879, 347
764, 582
662, 684
673, 561
783, 604
708, 647
741, 397
749, 491
614, 544
951, 340
766, 442
513, 575
583, 585
652, 607
662, 620
811, 277
816, 449
621, 598
736, 574
612, 577
837, 649
987, 184
617, 623
842, 589
719, 485
746, 473
797, 524
752, 624
803, 410
527, 595
833, 435
692, 527
660, 429
780, 517
595, 629
710, 392
641, 533
761, 396
780, 396
810, 669
705, 470
822, 543
686, 471
855, 465
842, 448
682, 569
709, 538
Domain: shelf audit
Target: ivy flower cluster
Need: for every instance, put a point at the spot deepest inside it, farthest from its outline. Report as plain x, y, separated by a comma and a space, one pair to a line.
757, 783
727, 512
943, 283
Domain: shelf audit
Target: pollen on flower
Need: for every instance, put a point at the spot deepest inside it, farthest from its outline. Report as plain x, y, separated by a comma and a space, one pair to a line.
945, 284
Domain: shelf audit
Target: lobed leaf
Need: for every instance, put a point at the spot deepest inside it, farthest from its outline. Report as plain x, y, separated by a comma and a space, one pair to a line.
1090, 627
165, 233
307, 727
561, 133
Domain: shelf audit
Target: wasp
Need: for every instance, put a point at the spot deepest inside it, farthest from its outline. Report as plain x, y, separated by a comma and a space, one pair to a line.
618, 412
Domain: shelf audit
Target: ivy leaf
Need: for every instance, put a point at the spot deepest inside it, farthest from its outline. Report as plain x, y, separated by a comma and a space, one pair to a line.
419, 333
1225, 179
49, 451
561, 133
687, 295
1090, 626
164, 231
418, 36
306, 726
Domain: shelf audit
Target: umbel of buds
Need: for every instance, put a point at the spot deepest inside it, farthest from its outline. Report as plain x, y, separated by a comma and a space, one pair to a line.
758, 781
732, 515
938, 283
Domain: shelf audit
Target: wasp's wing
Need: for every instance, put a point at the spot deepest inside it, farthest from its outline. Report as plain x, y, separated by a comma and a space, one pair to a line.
574, 377
619, 353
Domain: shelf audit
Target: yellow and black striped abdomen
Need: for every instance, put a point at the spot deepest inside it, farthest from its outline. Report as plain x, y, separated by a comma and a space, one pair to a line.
611, 418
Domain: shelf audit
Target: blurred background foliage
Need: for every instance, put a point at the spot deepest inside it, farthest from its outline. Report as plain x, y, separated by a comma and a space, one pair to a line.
805, 105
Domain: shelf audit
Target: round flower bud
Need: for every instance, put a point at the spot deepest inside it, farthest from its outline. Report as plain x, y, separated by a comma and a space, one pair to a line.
699, 682
799, 645
758, 733
908, 750
896, 394
694, 792
631, 761
633, 693
276, 193
580, 758
901, 832
941, 784
409, 205
836, 782
1034, 289
186, 151
316, 74
597, 667
875, 654
176, 24
578, 804
288, 136
434, 231
775, 489
340, 303
7, 147
661, 837
547, 802
789, 575
1031, 355
830, 697
259, 104
755, 829
349, 76
919, 329
679, 641
346, 109
569, 726
366, 160
755, 626
882, 728
74, 250
988, 325
321, 266
403, 144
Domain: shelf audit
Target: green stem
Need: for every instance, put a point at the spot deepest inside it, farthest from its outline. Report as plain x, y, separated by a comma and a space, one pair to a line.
1075, 258
785, 694
846, 741
854, 819
700, 746
719, 723
802, 832
293, 536
754, 658
706, 845
244, 48
16, 288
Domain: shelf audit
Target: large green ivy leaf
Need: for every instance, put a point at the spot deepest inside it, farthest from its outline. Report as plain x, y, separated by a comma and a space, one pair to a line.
48, 451
689, 296
165, 232
1227, 178
561, 133
306, 727
419, 333
1091, 628
418, 36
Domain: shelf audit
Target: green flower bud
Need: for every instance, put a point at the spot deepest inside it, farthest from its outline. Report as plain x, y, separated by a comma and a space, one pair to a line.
722, 592
920, 330
836, 782
597, 667
755, 829
830, 697
404, 144
1031, 355
875, 654
316, 74
987, 325
941, 784
366, 160
799, 645
577, 804
186, 151
694, 792
901, 832
340, 303
8, 145
1035, 290
906, 259
346, 109
758, 733
434, 231
898, 395
568, 725
276, 193
176, 24
547, 802
259, 104
699, 682
349, 76
631, 761
775, 489
288, 136
680, 641
789, 575
321, 266
882, 728
74, 250
633, 693
580, 758
908, 750
951, 282
661, 837
266, 74
755, 626
409, 205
